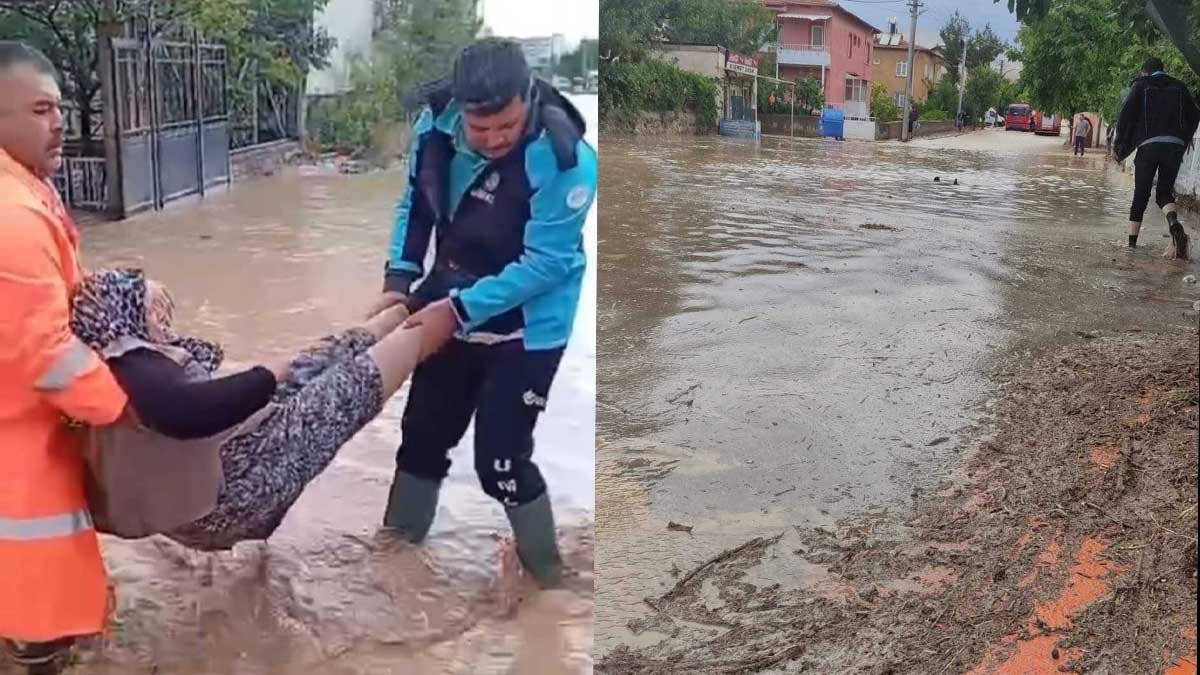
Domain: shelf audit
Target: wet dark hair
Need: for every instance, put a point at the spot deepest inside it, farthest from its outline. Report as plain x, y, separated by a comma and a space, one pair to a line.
1153, 65
20, 54
489, 74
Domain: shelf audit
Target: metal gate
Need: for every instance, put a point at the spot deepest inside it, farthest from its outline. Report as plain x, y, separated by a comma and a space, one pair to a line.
172, 117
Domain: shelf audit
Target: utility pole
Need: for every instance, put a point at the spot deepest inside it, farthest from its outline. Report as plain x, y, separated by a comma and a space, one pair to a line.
962, 77
109, 29
908, 85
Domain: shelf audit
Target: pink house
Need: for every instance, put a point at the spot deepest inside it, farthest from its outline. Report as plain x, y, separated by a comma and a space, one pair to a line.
819, 39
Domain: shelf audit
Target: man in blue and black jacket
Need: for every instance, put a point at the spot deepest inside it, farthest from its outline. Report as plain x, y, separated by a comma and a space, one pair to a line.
501, 180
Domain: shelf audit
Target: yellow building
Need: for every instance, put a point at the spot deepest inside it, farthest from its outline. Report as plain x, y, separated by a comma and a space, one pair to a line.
889, 66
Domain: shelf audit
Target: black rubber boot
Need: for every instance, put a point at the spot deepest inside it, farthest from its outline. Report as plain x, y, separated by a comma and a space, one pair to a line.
411, 507
42, 658
537, 541
1178, 236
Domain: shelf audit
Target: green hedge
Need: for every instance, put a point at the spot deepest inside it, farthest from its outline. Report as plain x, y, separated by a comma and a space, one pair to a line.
934, 115
809, 98
658, 87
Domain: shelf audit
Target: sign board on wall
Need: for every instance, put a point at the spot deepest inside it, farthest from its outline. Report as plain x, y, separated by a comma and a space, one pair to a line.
539, 52
740, 63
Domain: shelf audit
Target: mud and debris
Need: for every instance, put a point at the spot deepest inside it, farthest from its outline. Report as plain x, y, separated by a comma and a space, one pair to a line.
1064, 542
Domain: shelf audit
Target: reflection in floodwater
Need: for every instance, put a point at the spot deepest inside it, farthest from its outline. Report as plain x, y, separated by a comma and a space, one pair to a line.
796, 331
266, 268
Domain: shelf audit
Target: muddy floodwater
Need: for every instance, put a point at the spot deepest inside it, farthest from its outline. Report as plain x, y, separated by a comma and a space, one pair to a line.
266, 268
797, 331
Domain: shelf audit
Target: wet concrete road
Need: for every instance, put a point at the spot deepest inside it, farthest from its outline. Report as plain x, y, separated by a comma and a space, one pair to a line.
798, 330
266, 268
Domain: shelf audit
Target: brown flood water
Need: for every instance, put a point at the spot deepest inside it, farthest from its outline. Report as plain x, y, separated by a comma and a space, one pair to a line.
266, 268
792, 332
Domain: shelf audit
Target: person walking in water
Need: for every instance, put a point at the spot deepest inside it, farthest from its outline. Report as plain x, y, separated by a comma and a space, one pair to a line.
501, 175
1158, 120
1083, 132
53, 586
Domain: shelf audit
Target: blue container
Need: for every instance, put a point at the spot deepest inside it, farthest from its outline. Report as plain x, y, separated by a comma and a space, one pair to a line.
833, 123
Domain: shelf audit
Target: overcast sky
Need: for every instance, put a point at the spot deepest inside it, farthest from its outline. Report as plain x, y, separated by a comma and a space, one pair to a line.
576, 19
934, 16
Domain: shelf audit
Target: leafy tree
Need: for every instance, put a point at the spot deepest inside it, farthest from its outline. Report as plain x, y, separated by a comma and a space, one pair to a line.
416, 42
741, 25
580, 61
271, 46
276, 37
944, 96
1010, 92
983, 46
1178, 21
628, 28
983, 91
1064, 71
809, 98
883, 107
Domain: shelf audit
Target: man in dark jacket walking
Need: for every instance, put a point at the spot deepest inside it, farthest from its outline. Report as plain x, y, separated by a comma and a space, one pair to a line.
1158, 120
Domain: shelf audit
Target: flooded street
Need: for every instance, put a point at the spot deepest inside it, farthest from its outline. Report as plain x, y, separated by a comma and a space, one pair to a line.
798, 331
267, 268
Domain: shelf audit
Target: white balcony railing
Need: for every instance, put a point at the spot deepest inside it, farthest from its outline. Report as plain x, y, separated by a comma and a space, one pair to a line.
803, 55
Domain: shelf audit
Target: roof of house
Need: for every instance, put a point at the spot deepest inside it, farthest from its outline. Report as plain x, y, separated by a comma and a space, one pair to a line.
784, 8
882, 41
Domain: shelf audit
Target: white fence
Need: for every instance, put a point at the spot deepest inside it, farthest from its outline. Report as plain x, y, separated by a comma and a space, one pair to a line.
859, 129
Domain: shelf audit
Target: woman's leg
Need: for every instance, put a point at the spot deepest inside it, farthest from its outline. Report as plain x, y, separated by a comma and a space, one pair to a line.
267, 469
313, 361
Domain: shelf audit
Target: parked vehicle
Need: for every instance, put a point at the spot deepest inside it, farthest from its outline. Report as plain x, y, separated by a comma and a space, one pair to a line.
1047, 125
1018, 117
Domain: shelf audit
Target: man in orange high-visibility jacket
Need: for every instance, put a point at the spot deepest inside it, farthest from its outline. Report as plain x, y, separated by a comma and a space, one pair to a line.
53, 586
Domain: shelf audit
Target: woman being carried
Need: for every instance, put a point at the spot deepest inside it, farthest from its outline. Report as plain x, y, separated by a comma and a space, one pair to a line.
213, 461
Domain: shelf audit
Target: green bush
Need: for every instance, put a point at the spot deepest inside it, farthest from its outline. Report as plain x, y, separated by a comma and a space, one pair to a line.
659, 87
355, 121
934, 116
809, 97
883, 108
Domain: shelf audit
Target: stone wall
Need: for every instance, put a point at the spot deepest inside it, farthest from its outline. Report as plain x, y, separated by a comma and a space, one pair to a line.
809, 126
653, 124
262, 160
891, 130
806, 126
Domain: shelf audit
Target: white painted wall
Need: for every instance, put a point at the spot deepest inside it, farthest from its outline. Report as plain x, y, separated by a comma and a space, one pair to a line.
700, 59
352, 22
1189, 175
863, 130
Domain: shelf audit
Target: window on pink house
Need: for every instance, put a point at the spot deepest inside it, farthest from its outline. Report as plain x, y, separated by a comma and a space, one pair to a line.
818, 36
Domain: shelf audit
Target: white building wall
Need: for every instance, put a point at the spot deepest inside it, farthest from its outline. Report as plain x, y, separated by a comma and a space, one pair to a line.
352, 23
1189, 175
